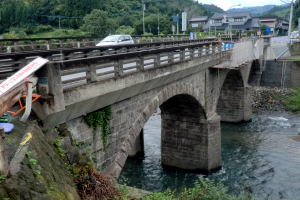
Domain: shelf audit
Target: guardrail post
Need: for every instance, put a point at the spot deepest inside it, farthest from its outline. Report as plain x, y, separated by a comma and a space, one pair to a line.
91, 74
157, 61
192, 53
55, 87
140, 63
182, 55
170, 57
118, 68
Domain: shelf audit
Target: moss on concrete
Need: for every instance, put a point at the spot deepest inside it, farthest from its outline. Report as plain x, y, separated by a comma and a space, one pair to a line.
43, 174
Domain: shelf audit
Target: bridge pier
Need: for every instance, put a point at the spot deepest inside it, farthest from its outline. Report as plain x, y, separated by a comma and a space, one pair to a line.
188, 140
138, 146
235, 104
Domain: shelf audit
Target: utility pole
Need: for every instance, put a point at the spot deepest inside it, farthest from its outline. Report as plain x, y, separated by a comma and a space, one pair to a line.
291, 18
143, 8
158, 25
59, 22
177, 24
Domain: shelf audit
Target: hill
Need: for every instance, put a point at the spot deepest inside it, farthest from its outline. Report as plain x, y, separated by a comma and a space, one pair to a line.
26, 14
280, 11
255, 11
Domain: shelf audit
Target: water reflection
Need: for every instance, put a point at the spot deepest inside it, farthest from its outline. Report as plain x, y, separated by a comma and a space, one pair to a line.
262, 156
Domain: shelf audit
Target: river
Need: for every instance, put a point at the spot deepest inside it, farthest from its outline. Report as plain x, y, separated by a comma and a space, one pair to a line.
262, 156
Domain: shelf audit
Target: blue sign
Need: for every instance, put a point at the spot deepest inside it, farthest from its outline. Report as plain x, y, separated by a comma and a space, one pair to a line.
268, 30
175, 19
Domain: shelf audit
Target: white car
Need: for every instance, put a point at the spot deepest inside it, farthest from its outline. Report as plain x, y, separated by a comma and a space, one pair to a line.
116, 40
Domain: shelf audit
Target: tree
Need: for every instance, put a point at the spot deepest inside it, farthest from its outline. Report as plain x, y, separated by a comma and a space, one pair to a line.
125, 30
296, 12
151, 24
97, 23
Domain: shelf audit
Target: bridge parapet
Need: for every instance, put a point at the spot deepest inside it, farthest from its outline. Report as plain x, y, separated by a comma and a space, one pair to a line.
11, 62
247, 51
70, 82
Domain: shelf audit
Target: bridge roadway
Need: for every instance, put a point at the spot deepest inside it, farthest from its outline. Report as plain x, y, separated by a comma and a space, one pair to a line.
195, 84
30, 44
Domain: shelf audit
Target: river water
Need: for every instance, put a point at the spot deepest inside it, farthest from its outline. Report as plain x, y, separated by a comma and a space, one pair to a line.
262, 156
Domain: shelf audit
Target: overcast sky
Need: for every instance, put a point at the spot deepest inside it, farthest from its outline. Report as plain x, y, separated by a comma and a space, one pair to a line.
226, 4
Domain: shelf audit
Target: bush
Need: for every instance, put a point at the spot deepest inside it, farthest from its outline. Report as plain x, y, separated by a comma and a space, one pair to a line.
14, 33
125, 30
97, 23
293, 103
203, 190
42, 28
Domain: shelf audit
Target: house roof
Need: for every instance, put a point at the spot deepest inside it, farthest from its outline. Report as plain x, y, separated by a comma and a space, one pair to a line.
230, 15
199, 18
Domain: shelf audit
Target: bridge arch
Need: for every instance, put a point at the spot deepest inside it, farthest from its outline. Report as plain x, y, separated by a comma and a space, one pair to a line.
185, 131
234, 103
255, 73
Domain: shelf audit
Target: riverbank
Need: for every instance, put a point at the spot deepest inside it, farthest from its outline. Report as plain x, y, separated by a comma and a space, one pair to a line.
270, 99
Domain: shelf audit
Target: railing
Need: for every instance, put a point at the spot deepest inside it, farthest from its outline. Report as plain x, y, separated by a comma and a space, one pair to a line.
30, 44
10, 63
68, 74
26, 44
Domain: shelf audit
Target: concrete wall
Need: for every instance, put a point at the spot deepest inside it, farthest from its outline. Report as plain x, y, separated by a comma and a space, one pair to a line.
281, 74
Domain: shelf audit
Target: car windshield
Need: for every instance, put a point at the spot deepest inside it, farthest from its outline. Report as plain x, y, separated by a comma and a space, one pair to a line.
111, 38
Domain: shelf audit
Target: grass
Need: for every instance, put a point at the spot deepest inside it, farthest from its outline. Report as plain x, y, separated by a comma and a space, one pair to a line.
293, 102
203, 190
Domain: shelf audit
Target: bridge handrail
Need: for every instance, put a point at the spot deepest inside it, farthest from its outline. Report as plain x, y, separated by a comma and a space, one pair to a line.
24, 54
70, 74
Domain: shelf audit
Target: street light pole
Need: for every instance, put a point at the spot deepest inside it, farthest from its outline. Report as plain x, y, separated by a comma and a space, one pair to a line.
230, 27
291, 16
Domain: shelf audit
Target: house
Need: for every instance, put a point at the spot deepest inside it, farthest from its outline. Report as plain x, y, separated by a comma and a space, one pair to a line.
199, 21
232, 21
277, 25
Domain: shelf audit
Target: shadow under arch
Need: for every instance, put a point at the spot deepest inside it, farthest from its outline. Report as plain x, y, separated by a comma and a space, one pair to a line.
234, 104
255, 73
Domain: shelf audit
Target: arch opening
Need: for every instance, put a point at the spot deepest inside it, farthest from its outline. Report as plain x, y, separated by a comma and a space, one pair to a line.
255, 74
234, 104
183, 134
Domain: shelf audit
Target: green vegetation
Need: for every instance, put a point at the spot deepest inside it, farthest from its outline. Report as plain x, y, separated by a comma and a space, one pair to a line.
2, 178
42, 18
203, 190
57, 143
100, 118
293, 103
33, 164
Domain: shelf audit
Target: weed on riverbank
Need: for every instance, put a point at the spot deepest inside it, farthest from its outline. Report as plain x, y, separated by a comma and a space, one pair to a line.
293, 102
